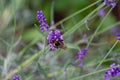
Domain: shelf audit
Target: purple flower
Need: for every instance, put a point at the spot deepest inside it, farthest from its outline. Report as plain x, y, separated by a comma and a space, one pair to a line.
112, 72
80, 56
44, 26
115, 30
42, 20
55, 39
107, 77
101, 12
40, 17
15, 77
111, 2
118, 36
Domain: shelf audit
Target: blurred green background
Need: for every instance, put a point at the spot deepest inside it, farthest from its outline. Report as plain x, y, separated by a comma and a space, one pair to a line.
20, 39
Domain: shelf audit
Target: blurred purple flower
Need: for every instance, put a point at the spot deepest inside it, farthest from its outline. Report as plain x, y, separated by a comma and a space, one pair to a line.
42, 20
118, 36
101, 12
55, 38
111, 2
16, 77
80, 56
115, 30
112, 72
107, 77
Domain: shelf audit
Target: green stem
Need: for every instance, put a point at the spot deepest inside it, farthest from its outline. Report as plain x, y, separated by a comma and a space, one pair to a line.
74, 14
26, 63
98, 28
14, 14
91, 73
100, 32
1, 7
86, 25
107, 28
106, 55
82, 21
52, 12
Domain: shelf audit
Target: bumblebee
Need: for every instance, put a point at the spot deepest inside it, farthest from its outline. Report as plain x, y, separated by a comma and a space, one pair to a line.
59, 44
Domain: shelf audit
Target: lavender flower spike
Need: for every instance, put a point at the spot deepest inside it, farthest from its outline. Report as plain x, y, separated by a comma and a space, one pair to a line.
55, 39
40, 17
111, 2
42, 20
44, 26
81, 54
15, 77
113, 72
